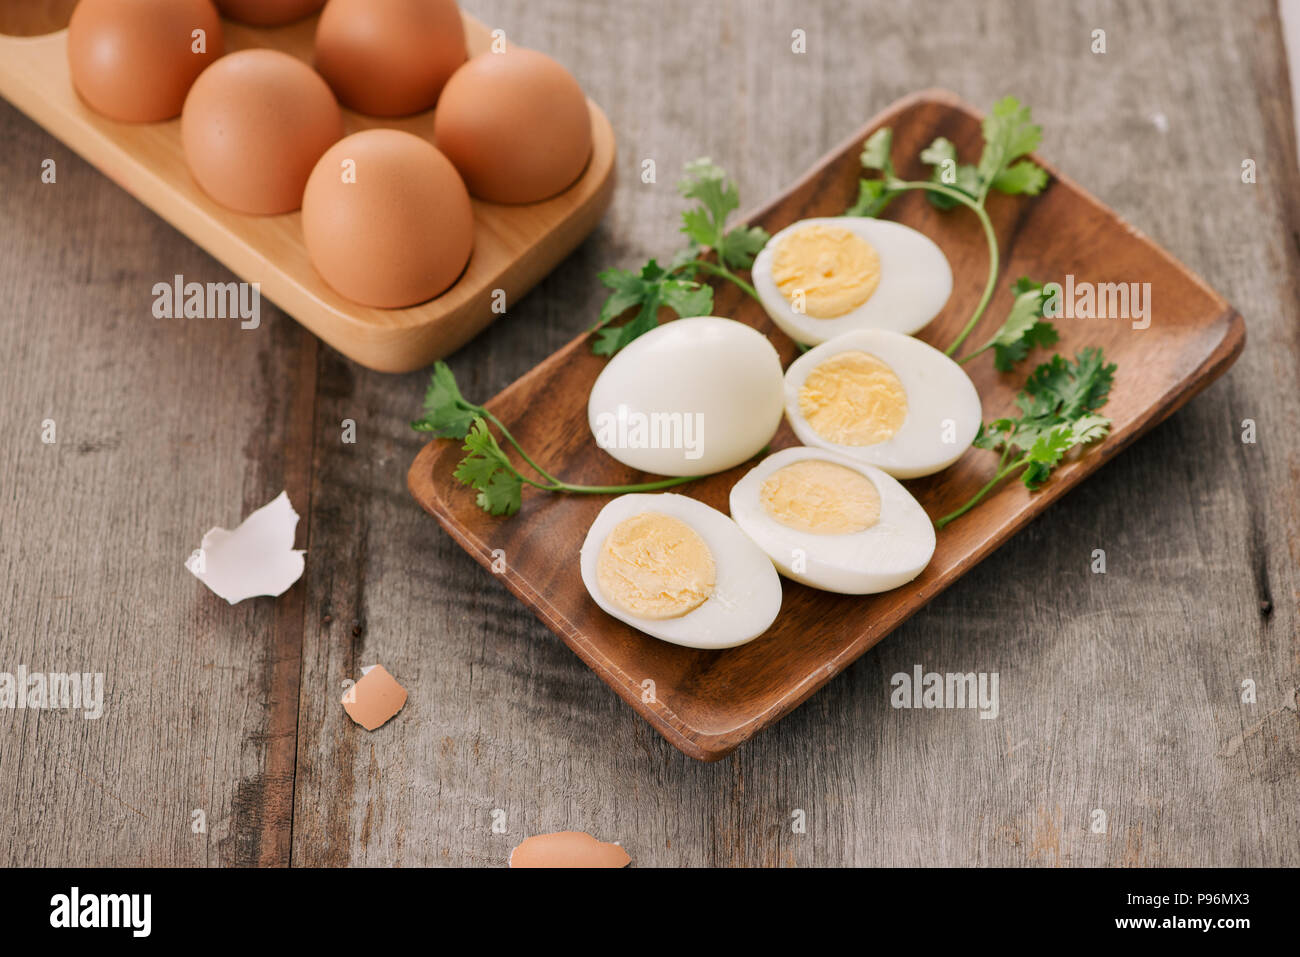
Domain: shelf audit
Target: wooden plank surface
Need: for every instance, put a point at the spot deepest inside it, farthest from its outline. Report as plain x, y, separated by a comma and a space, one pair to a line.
1119, 692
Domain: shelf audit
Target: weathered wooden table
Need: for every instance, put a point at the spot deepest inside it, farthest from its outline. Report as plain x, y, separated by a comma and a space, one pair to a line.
1120, 692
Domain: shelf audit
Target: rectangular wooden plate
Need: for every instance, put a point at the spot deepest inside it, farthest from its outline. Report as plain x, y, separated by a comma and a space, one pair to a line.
707, 703
514, 246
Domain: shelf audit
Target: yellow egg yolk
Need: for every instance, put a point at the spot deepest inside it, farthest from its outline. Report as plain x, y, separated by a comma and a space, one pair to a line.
853, 399
655, 566
825, 271
823, 498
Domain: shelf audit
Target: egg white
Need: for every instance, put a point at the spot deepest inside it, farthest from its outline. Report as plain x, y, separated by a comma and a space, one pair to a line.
937, 389
888, 554
915, 282
722, 373
747, 591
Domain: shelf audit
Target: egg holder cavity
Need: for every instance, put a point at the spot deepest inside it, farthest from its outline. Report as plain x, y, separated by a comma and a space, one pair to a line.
514, 246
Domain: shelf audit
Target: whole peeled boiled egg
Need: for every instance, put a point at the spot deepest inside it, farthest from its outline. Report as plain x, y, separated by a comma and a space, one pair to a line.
268, 13
389, 57
516, 124
386, 219
134, 60
254, 125
885, 399
690, 397
833, 523
679, 571
820, 278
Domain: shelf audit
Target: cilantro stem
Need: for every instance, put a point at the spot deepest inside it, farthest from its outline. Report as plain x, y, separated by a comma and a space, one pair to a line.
624, 489
518, 448
723, 272
975, 500
977, 207
553, 484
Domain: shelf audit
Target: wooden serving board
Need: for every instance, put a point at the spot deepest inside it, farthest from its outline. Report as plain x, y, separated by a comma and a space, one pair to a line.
514, 246
707, 703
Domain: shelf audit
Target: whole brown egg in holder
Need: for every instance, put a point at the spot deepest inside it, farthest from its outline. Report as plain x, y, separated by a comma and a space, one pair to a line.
254, 125
268, 13
134, 60
516, 125
389, 57
386, 219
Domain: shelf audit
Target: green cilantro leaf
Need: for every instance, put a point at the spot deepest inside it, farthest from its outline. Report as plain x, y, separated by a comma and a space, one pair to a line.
645, 291
1010, 133
941, 156
678, 287
873, 197
502, 495
740, 245
488, 469
1024, 177
1024, 328
707, 183
1058, 412
446, 412
875, 194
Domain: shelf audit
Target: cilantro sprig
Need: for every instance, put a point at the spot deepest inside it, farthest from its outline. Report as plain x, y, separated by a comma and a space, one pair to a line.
1058, 412
678, 286
1009, 134
487, 467
1024, 328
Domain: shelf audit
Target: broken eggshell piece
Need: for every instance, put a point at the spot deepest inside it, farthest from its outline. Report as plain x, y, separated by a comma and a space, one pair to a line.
568, 849
257, 558
373, 700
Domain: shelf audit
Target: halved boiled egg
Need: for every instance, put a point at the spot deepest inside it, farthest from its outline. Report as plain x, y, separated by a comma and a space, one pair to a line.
679, 571
819, 278
833, 523
885, 399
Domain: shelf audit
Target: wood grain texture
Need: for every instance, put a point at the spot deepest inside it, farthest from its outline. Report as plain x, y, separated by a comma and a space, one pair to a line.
1119, 691
708, 703
514, 246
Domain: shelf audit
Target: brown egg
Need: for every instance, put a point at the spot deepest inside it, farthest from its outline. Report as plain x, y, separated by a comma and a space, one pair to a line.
254, 125
515, 124
567, 849
134, 60
386, 219
268, 13
389, 57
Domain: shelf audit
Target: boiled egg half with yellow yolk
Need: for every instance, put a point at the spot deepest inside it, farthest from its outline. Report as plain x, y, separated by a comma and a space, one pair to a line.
820, 278
833, 523
679, 571
884, 399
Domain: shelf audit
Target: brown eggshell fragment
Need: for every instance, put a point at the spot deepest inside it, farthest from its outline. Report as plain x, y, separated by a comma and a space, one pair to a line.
134, 60
516, 124
374, 699
268, 13
386, 219
389, 57
254, 125
568, 849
